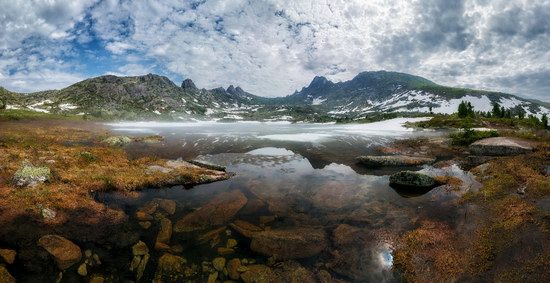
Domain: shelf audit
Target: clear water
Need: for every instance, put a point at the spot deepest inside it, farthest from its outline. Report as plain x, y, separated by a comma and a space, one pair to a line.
302, 175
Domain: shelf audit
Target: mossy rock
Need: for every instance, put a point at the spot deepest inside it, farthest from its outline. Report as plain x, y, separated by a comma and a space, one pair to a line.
118, 140
412, 180
29, 175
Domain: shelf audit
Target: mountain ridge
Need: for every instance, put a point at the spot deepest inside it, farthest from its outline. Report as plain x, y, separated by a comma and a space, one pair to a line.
154, 96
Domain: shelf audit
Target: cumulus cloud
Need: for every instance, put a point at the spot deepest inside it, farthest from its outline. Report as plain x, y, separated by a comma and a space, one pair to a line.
271, 47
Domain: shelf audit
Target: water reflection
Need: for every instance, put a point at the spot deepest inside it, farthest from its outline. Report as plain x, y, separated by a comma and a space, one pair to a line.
280, 190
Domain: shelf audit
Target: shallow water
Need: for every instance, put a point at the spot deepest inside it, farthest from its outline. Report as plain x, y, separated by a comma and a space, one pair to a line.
295, 175
273, 172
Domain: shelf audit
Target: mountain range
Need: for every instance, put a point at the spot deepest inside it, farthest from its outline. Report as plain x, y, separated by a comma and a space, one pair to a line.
157, 97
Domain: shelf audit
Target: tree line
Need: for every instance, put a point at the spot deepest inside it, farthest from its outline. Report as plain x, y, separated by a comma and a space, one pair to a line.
466, 110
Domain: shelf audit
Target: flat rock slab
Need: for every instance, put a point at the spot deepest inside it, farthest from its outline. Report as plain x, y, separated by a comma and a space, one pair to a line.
394, 161
290, 244
217, 212
501, 146
65, 252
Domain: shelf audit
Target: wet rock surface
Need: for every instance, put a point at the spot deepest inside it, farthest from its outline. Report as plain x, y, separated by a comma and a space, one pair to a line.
64, 252
412, 180
289, 243
5, 276
217, 212
394, 161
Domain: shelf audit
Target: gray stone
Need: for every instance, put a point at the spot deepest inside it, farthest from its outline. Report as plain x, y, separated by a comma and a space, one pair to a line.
394, 161
410, 179
501, 146
28, 175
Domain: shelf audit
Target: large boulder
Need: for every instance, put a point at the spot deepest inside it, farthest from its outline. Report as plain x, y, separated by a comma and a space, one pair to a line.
64, 252
412, 180
5, 276
394, 161
217, 212
289, 244
28, 175
501, 146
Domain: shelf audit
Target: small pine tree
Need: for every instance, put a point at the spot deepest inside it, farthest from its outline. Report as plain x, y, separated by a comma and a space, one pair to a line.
431, 112
502, 112
462, 110
544, 120
496, 110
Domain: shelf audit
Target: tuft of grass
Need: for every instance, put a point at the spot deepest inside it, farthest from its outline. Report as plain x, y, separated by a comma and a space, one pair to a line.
467, 136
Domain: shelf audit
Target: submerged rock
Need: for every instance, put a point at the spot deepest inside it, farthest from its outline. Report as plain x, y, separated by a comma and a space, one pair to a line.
289, 244
501, 146
412, 180
28, 175
5, 276
233, 268
7, 255
217, 212
170, 266
165, 233
394, 161
245, 228
207, 165
259, 273
64, 252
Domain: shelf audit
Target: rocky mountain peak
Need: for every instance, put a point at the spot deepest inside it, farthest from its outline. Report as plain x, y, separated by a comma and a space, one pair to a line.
188, 84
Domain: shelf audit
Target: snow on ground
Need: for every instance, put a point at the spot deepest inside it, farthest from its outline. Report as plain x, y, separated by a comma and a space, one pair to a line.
318, 101
157, 112
12, 107
67, 106
209, 111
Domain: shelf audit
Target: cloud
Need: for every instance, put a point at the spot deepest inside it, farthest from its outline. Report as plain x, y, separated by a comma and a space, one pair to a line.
273, 47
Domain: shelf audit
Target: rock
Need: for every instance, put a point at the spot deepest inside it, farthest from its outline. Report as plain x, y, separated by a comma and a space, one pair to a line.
218, 263
217, 212
48, 214
501, 146
225, 251
97, 279
252, 206
291, 271
259, 274
151, 139
207, 165
289, 244
545, 170
151, 169
141, 267
233, 268
345, 234
64, 252
394, 161
118, 140
410, 179
169, 266
96, 259
165, 232
245, 228
28, 175
82, 270
88, 253
212, 277
140, 249
8, 256
188, 84
167, 205
145, 224
143, 216
5, 276
267, 219
231, 243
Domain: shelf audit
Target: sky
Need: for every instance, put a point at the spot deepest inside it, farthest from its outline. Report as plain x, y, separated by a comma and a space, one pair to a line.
272, 48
